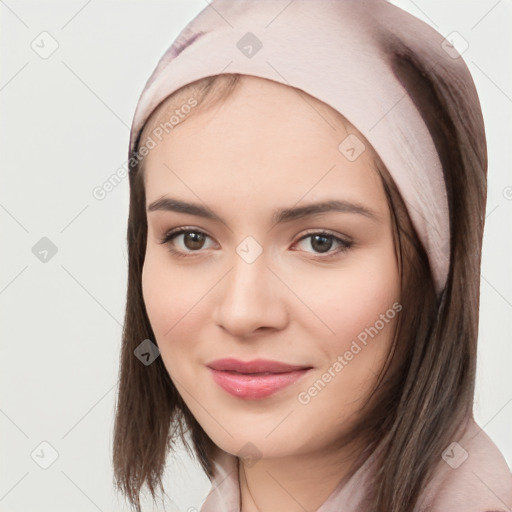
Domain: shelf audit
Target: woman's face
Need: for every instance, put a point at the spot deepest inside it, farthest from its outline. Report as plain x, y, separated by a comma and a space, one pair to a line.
251, 282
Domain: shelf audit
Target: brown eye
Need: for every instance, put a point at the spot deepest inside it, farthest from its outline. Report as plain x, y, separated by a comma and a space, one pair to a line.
322, 242
192, 240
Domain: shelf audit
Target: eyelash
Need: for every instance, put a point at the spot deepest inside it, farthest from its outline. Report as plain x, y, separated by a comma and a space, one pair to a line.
345, 244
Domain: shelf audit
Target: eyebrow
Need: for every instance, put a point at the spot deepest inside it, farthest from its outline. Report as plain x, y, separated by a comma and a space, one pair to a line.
279, 216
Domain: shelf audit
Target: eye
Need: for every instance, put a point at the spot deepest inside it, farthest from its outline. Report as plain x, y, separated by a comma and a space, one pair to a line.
193, 240
322, 241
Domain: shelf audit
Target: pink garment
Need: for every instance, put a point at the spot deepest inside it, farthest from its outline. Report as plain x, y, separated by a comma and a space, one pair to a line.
482, 482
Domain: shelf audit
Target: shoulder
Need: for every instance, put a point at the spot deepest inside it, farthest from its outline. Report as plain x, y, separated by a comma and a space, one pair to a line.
472, 476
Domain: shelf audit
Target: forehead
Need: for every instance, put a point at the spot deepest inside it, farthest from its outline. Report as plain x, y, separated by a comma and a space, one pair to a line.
265, 138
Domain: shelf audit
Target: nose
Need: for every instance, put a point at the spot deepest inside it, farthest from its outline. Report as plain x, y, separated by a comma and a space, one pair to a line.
250, 299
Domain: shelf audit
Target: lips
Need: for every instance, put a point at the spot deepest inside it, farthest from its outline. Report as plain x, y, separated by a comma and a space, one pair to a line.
255, 379
254, 366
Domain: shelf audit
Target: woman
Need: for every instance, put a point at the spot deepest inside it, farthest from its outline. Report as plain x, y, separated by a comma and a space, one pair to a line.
308, 192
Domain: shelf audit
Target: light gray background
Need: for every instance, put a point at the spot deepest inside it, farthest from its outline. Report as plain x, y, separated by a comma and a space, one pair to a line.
64, 130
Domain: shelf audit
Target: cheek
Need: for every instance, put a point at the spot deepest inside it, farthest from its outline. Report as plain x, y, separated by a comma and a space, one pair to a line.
169, 300
156, 293
169, 297
176, 301
358, 298
362, 313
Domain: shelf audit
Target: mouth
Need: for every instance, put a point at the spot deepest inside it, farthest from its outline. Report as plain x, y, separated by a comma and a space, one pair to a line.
255, 379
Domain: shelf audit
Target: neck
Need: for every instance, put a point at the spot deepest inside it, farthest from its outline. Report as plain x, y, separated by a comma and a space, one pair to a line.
296, 483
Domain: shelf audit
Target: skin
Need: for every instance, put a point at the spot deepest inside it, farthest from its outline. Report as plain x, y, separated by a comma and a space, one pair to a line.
268, 147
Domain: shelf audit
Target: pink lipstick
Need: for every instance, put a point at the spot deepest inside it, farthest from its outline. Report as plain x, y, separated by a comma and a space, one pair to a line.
254, 379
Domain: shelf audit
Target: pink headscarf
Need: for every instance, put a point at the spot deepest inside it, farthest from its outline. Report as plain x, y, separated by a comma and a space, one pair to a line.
338, 51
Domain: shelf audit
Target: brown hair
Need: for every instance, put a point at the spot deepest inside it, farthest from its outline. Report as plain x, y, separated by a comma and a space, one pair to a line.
426, 388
